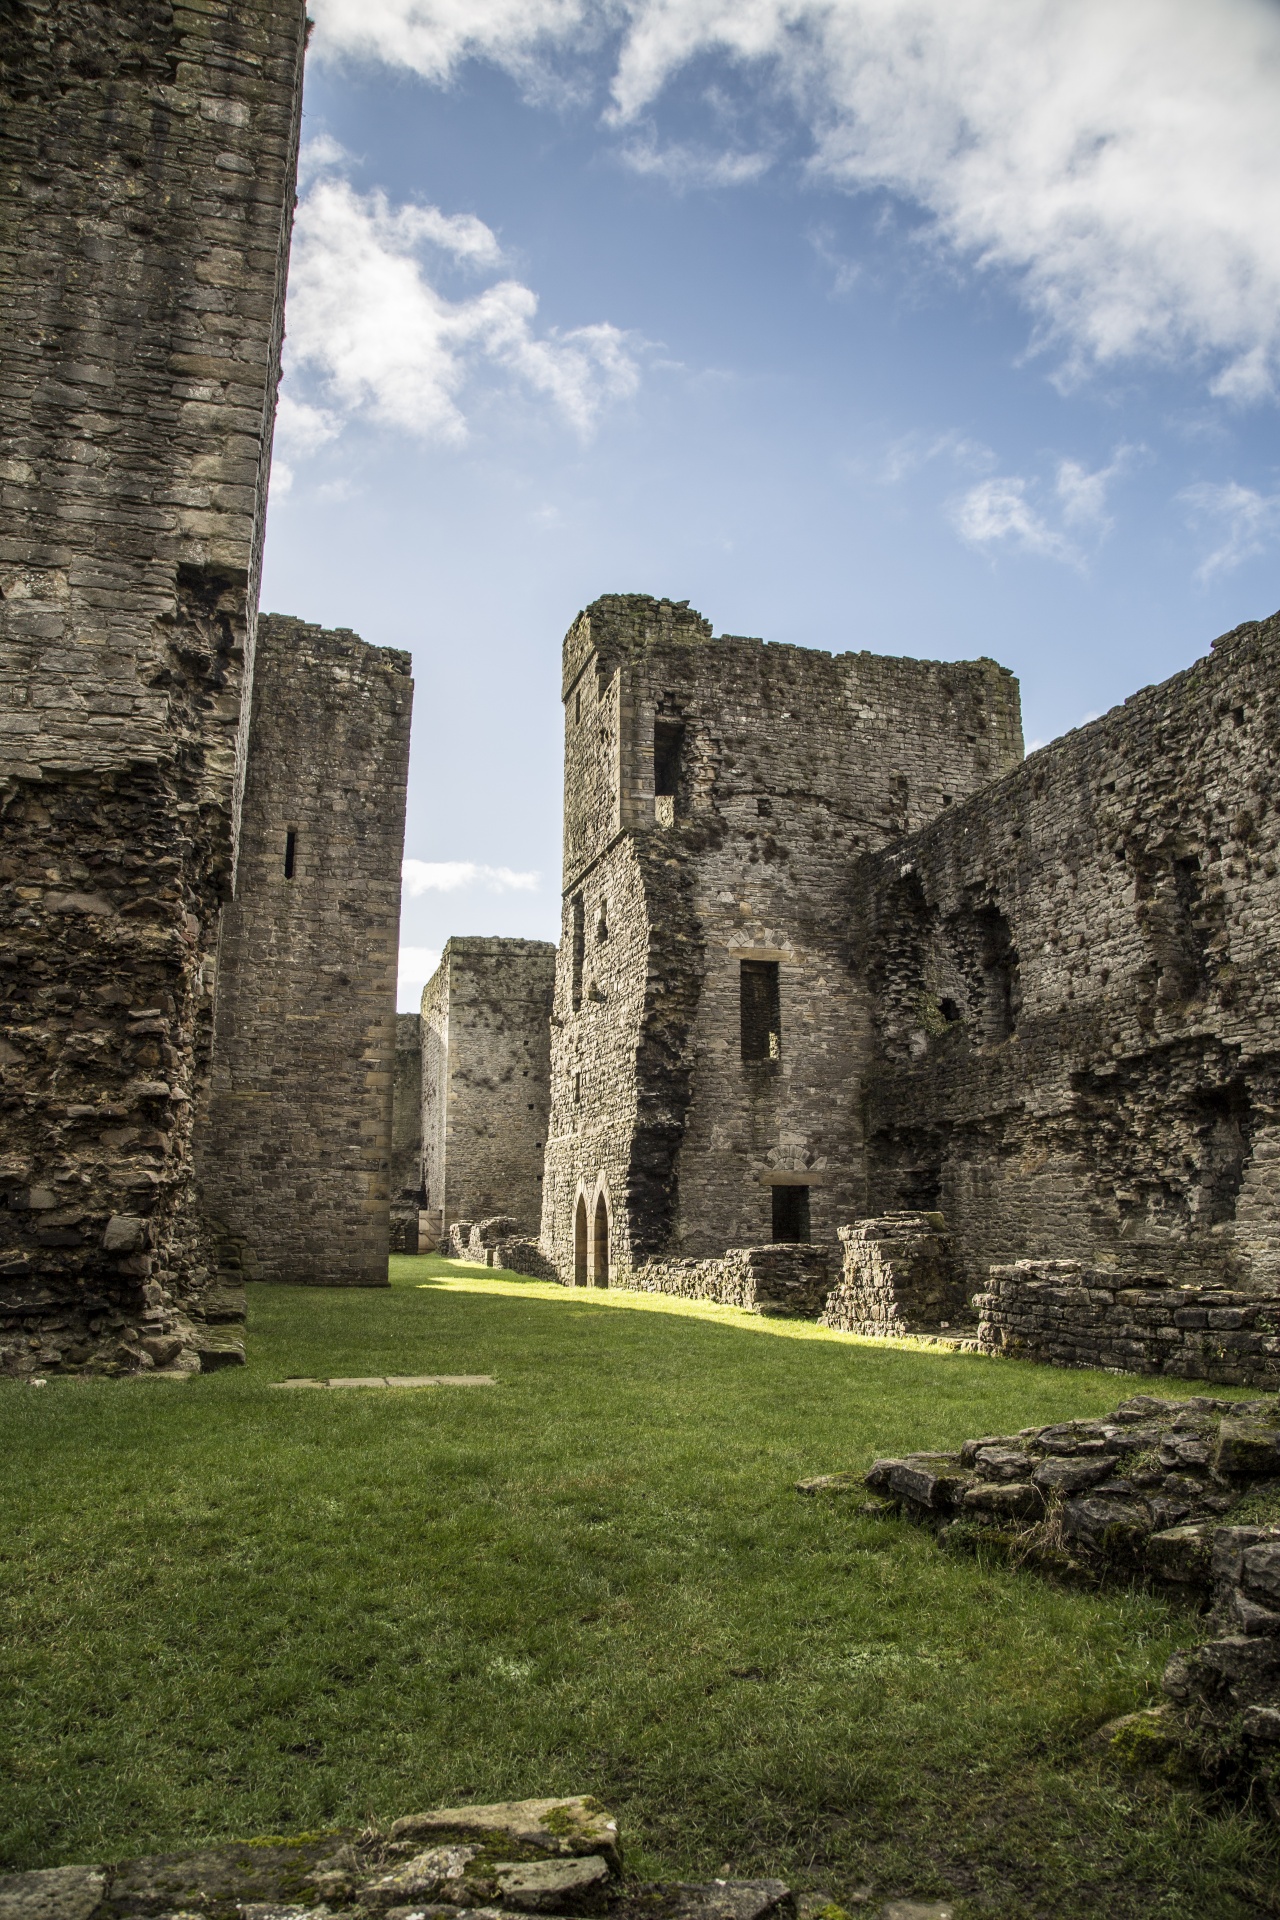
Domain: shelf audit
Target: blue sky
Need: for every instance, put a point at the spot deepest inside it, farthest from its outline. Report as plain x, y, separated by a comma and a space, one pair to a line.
943, 330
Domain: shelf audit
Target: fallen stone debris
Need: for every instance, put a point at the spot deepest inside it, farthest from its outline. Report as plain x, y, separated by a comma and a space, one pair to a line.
554, 1857
1181, 1494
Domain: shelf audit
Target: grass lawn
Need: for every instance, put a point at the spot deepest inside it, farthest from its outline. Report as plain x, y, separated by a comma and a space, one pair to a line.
229, 1610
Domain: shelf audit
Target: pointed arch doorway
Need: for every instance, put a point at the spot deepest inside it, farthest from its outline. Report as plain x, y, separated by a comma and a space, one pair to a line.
580, 1243
600, 1264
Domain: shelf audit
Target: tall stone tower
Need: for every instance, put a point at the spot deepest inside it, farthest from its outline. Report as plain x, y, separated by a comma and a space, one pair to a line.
147, 166
707, 1035
295, 1159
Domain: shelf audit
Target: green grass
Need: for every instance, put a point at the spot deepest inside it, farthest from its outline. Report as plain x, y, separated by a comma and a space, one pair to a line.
230, 1610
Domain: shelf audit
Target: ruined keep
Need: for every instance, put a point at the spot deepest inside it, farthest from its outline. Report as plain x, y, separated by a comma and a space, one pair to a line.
295, 1159
708, 1040
485, 1082
147, 172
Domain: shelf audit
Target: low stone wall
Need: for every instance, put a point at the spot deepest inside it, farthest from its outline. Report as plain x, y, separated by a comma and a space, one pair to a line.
1156, 1490
1071, 1315
500, 1242
789, 1278
897, 1278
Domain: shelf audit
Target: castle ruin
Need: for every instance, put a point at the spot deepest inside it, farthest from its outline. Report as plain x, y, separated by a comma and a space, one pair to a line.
837, 963
708, 1040
147, 161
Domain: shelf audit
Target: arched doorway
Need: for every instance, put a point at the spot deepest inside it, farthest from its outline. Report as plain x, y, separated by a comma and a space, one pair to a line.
580, 1243
601, 1275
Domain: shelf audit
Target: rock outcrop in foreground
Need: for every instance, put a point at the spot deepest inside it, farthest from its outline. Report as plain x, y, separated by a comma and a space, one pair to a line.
1180, 1493
552, 1857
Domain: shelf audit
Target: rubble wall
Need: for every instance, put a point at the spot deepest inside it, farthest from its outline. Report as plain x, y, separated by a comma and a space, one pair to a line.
295, 1160
485, 1080
147, 165
791, 764
1074, 987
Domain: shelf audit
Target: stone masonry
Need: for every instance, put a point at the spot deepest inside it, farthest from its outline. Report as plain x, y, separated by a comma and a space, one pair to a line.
485, 1070
295, 1161
147, 160
708, 1039
406, 1134
897, 1277
1072, 979
1074, 1316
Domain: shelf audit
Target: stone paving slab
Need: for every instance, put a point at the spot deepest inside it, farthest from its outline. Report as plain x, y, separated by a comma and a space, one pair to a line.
399, 1380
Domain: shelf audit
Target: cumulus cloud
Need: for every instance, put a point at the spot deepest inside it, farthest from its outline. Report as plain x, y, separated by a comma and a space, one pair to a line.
1122, 163
452, 876
374, 336
1243, 522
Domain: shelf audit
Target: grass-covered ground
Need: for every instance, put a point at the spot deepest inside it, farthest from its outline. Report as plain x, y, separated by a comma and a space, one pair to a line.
230, 1610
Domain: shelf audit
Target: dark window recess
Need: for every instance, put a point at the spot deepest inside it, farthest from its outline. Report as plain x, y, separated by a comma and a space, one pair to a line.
791, 1213
579, 937
668, 740
577, 706
950, 1011
761, 1011
290, 853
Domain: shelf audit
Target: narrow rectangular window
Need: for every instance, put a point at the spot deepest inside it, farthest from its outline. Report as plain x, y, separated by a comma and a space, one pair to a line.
760, 1010
578, 949
668, 740
791, 1213
290, 852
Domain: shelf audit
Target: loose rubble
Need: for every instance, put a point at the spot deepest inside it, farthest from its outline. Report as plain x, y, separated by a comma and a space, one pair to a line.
554, 1857
1144, 1492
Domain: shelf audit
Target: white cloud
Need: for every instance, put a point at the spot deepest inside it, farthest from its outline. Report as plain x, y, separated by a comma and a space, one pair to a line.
998, 510
379, 340
691, 166
1122, 162
1003, 510
1246, 523
452, 876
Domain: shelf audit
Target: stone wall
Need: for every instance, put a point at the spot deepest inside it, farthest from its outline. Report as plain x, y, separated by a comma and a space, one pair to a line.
406, 1134
897, 1278
295, 1160
1072, 979
788, 1279
1074, 1316
784, 765
147, 160
485, 1074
